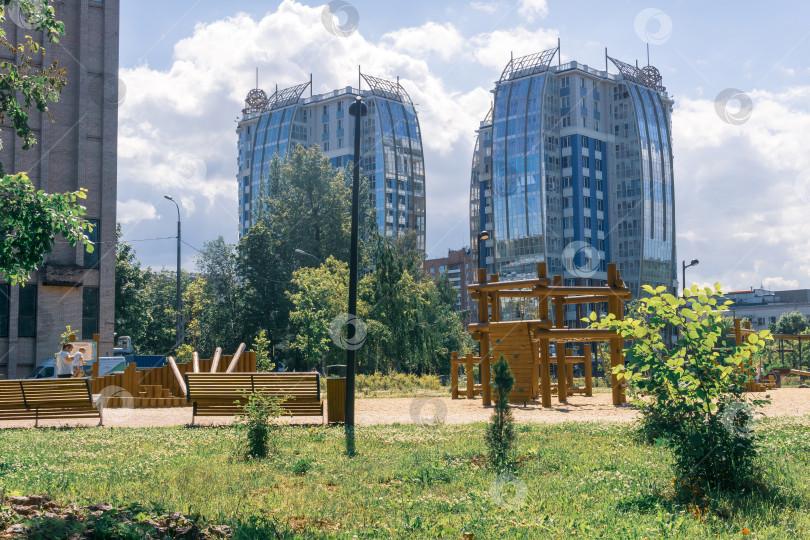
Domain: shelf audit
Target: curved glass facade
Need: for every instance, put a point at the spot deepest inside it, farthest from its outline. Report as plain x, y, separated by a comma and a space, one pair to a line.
581, 176
391, 149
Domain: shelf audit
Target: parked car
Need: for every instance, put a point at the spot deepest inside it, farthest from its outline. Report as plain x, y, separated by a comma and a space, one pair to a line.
106, 364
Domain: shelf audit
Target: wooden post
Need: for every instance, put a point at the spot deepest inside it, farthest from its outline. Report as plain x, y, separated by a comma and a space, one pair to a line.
454, 375
588, 380
235, 358
545, 372
616, 357
496, 300
468, 368
95, 369
179, 377
195, 362
562, 373
215, 361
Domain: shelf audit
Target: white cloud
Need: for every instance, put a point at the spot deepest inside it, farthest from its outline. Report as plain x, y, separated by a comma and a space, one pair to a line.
133, 211
431, 37
780, 283
486, 7
742, 202
493, 49
533, 8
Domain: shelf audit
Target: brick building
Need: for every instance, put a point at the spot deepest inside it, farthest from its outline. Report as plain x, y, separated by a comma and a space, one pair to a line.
459, 266
78, 148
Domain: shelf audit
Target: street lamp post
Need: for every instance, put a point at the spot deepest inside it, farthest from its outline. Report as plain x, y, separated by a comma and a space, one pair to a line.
483, 236
358, 109
302, 252
683, 273
179, 331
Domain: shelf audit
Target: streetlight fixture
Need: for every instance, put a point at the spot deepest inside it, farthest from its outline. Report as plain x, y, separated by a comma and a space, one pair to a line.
358, 109
694, 262
483, 236
179, 330
302, 252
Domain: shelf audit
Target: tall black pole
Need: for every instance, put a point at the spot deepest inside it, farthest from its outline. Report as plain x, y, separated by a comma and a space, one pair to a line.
180, 336
357, 109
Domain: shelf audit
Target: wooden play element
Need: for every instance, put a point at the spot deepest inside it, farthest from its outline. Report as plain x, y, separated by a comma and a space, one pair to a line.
570, 361
800, 373
767, 381
45, 399
164, 386
222, 394
526, 344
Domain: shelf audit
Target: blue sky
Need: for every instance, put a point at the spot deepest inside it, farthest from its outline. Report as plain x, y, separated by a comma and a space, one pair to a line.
742, 187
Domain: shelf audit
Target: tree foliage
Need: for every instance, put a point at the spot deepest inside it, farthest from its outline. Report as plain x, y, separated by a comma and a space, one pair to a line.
692, 388
500, 435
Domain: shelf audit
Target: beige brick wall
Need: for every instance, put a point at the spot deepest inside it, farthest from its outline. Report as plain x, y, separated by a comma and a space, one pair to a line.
77, 149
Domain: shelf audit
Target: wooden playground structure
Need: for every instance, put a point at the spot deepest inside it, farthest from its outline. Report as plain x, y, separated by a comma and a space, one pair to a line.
165, 386
526, 344
768, 381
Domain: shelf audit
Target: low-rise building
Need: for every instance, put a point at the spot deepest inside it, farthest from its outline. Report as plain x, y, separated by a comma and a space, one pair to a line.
460, 269
763, 307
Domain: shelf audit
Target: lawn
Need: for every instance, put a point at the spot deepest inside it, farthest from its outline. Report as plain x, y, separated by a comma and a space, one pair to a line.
575, 480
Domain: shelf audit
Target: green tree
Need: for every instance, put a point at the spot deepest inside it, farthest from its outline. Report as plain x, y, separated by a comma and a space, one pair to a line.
693, 389
221, 317
500, 435
130, 292
263, 349
318, 296
158, 320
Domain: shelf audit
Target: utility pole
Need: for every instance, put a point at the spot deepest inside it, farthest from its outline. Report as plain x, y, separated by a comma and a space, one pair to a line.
180, 334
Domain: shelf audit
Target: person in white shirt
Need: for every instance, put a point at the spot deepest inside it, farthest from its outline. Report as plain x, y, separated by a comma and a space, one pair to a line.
78, 362
64, 362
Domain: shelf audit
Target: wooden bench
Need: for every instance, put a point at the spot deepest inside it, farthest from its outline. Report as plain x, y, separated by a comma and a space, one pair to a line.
45, 399
222, 394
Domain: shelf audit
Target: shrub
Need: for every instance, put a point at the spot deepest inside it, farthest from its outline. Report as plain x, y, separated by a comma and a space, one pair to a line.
263, 349
692, 388
500, 434
185, 353
302, 466
257, 423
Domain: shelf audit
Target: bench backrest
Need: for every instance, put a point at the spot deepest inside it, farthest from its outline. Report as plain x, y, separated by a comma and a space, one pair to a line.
230, 386
57, 392
11, 396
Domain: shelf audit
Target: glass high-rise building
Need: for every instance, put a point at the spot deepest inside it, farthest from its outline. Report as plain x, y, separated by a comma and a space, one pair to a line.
391, 146
573, 167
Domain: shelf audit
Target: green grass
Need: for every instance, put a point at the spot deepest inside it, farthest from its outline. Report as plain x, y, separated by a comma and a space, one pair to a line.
582, 480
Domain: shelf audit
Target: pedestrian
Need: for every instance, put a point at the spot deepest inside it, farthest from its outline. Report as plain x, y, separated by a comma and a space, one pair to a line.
78, 362
64, 362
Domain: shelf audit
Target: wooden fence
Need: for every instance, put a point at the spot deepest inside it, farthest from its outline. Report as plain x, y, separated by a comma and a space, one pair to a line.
159, 387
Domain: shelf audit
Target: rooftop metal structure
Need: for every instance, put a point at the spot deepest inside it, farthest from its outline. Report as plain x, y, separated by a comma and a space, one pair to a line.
648, 76
387, 89
530, 64
257, 100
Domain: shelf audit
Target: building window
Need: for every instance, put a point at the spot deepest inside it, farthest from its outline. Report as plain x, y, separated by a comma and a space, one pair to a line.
565, 102
582, 82
91, 259
90, 312
599, 185
339, 145
326, 129
586, 182
587, 202
584, 121
599, 204
584, 141
587, 223
566, 161
566, 181
5, 306
27, 323
598, 164
566, 121
565, 142
325, 110
585, 162
340, 105
340, 124
568, 222
325, 146
564, 82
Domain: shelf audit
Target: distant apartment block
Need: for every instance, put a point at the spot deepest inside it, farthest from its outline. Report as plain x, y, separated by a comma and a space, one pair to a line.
77, 149
572, 166
763, 307
391, 146
459, 266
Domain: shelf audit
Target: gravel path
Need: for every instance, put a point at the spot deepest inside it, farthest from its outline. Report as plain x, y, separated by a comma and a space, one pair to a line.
786, 402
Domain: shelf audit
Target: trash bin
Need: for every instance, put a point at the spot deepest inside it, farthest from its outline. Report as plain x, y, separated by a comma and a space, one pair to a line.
336, 393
